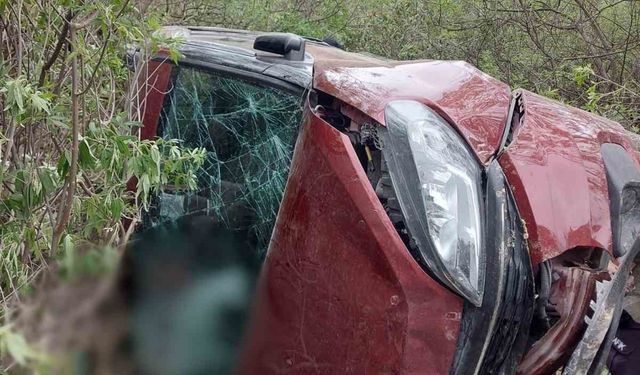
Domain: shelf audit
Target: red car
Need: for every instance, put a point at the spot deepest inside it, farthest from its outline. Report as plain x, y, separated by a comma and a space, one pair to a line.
414, 216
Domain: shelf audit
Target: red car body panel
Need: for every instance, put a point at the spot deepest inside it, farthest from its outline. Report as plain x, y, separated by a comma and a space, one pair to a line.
154, 86
475, 102
339, 292
558, 178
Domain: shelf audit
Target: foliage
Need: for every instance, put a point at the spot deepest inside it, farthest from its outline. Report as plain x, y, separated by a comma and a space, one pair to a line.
73, 173
15, 345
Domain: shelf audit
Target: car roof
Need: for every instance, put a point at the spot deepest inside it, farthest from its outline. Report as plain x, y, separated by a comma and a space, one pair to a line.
242, 39
234, 48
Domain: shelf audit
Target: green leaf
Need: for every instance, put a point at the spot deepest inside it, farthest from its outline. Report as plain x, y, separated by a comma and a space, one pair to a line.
117, 206
174, 55
69, 252
122, 146
15, 92
581, 74
39, 103
92, 127
17, 345
153, 22
144, 184
30, 238
13, 202
58, 121
72, 55
133, 124
63, 165
155, 154
30, 198
46, 180
20, 181
85, 156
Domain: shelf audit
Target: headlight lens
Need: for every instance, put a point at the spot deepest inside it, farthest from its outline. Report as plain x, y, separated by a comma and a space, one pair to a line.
438, 185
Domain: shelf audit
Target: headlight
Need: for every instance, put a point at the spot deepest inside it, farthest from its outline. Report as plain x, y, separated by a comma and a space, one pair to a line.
438, 185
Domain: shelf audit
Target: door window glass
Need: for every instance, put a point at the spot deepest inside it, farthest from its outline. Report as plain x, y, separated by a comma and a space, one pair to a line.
249, 132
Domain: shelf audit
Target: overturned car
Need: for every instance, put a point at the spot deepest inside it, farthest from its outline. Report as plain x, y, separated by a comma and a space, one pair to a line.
409, 216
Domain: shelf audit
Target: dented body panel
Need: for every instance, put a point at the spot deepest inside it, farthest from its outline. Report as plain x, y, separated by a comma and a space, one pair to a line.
339, 293
570, 296
553, 165
558, 176
474, 102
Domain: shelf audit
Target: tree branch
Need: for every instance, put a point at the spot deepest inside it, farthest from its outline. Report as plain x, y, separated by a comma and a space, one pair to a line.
64, 212
62, 37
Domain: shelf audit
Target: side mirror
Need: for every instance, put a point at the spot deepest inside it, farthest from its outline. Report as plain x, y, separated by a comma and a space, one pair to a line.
288, 45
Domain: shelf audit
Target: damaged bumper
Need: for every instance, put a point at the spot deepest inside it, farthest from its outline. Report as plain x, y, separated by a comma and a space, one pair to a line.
591, 353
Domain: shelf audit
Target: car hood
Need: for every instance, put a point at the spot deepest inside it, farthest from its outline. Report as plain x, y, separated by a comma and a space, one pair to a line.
553, 164
558, 176
471, 100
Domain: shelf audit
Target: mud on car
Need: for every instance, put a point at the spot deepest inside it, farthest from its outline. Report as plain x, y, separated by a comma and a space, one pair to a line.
406, 216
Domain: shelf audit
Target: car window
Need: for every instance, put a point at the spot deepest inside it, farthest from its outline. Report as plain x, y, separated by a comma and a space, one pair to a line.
249, 132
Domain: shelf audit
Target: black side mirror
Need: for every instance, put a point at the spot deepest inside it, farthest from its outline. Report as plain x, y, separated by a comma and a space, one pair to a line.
288, 45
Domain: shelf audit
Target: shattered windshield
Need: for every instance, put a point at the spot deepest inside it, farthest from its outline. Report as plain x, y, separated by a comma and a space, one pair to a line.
248, 131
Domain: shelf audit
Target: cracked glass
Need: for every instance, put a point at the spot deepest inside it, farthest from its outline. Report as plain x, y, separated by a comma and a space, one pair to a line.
248, 130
